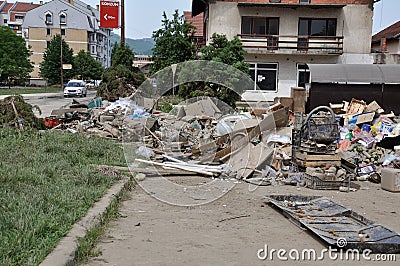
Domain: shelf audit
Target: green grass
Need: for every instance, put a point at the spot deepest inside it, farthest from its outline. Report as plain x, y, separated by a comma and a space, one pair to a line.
47, 183
28, 90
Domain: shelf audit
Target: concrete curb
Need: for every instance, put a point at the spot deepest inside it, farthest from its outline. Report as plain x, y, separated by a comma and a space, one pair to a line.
66, 250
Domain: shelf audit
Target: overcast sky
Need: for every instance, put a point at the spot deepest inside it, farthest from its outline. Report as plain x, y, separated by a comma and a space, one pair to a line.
143, 17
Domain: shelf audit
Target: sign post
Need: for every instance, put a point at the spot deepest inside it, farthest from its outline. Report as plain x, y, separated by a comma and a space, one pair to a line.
109, 14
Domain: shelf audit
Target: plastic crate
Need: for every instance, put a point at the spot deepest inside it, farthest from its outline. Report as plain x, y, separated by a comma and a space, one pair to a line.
314, 182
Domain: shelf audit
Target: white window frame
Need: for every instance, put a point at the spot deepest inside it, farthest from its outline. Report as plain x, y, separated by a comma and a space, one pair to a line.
256, 68
62, 14
48, 13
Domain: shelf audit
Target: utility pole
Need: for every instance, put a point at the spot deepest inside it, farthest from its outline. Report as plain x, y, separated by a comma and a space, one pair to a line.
61, 51
61, 61
122, 23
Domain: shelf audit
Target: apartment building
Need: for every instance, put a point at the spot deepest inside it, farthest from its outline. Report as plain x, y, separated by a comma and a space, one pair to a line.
78, 24
386, 45
282, 36
12, 14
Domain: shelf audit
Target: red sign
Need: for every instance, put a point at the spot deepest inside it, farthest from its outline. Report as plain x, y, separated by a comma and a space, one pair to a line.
109, 12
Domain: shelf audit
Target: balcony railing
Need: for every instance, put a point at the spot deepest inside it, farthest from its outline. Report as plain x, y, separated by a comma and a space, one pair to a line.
293, 44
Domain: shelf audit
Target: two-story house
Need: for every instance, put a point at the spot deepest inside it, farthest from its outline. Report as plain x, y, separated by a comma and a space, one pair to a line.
282, 36
78, 24
386, 45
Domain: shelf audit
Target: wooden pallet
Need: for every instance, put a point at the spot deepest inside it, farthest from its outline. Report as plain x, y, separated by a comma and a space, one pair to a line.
316, 160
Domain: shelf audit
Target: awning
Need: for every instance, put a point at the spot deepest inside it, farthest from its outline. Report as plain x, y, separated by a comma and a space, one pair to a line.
355, 73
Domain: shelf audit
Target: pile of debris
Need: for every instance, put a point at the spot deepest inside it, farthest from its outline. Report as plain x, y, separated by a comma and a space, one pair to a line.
95, 117
368, 138
326, 149
15, 112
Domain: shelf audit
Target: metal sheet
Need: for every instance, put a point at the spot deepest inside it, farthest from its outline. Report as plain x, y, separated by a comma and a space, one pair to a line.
354, 73
332, 222
391, 73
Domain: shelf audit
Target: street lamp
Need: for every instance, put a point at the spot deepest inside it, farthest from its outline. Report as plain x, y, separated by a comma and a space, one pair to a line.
61, 49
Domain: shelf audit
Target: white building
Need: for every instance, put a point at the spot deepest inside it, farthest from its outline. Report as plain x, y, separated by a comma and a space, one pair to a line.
78, 24
282, 36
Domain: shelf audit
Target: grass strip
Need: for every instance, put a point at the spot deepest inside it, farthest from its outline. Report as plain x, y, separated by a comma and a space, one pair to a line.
28, 90
48, 182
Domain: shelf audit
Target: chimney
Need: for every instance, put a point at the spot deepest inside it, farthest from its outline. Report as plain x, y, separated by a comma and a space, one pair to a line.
383, 45
71, 2
97, 7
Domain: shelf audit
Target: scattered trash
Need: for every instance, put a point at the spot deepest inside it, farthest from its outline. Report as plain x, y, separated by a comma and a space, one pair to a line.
326, 149
145, 152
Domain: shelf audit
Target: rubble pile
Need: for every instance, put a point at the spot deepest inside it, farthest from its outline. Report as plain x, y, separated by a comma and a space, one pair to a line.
96, 117
329, 148
368, 138
15, 112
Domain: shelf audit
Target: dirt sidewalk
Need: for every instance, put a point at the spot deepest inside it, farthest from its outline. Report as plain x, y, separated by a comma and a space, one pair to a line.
228, 231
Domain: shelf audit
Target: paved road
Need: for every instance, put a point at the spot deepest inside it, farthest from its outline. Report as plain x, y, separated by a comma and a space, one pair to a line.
50, 101
230, 230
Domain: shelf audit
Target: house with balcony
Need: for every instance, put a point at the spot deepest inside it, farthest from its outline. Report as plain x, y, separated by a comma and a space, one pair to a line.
78, 24
386, 45
282, 36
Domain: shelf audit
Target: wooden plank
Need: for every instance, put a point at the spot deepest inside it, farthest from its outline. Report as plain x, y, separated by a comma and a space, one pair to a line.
313, 157
199, 171
160, 171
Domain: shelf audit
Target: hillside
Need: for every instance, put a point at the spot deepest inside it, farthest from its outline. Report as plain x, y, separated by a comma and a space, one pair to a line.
139, 46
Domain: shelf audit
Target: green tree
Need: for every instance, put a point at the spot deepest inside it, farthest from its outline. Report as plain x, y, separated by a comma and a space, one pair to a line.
14, 56
122, 56
225, 51
50, 67
86, 67
228, 52
121, 79
173, 42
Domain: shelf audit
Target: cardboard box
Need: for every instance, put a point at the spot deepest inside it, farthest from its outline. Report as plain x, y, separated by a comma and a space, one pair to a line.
390, 179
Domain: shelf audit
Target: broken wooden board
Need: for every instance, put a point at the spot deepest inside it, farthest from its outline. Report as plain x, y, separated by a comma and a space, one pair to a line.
62, 112
156, 172
257, 157
281, 117
300, 98
316, 160
285, 101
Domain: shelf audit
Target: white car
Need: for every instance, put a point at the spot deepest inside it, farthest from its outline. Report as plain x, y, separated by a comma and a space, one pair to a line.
76, 88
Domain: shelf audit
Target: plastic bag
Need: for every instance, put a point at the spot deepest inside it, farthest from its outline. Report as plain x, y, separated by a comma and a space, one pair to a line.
145, 152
